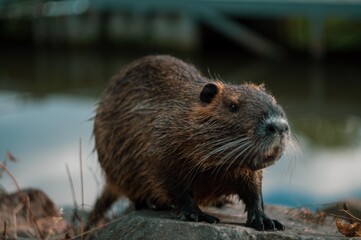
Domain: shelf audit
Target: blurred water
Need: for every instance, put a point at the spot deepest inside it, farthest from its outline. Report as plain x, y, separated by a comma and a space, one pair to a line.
47, 101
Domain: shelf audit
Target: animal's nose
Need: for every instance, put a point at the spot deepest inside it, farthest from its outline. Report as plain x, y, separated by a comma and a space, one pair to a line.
277, 126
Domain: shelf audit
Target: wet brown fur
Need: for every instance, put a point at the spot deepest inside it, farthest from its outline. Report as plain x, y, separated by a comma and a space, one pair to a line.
152, 133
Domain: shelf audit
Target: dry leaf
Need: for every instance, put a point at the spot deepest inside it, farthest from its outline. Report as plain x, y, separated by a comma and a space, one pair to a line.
348, 229
10, 156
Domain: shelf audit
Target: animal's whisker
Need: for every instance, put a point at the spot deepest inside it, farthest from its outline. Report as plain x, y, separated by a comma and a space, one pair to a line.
241, 152
223, 145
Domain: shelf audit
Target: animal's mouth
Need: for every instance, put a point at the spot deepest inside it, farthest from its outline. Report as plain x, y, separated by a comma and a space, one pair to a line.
272, 155
267, 159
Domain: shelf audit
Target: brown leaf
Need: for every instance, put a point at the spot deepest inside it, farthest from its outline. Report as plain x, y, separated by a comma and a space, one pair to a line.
348, 229
10, 156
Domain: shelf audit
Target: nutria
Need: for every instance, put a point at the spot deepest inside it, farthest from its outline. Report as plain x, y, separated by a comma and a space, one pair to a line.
169, 137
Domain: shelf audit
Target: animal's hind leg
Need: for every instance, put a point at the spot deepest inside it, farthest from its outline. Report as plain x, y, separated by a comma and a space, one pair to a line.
102, 204
189, 211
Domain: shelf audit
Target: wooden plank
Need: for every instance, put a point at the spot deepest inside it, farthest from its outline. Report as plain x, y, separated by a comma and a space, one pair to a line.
254, 8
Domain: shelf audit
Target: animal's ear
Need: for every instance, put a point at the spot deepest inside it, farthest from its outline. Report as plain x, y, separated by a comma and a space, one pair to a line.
262, 86
209, 91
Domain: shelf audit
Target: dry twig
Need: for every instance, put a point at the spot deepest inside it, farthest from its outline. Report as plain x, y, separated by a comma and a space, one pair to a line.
352, 217
82, 189
75, 204
350, 229
23, 198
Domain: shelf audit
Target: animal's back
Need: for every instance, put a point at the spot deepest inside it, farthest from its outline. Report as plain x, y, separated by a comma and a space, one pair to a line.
138, 101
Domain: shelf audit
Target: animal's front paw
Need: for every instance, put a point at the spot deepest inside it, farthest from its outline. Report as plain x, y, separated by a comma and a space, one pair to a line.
260, 221
198, 217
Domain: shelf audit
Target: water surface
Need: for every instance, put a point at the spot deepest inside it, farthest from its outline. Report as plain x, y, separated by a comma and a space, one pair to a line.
47, 100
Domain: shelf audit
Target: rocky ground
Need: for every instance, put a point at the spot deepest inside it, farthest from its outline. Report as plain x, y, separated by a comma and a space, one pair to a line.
31, 214
300, 224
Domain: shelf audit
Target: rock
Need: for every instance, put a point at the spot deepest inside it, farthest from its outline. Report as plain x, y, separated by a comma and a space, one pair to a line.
40, 219
147, 224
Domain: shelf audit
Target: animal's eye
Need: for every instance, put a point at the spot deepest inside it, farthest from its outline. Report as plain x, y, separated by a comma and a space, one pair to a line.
233, 107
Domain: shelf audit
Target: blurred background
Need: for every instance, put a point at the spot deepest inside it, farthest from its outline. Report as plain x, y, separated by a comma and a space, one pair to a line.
57, 56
